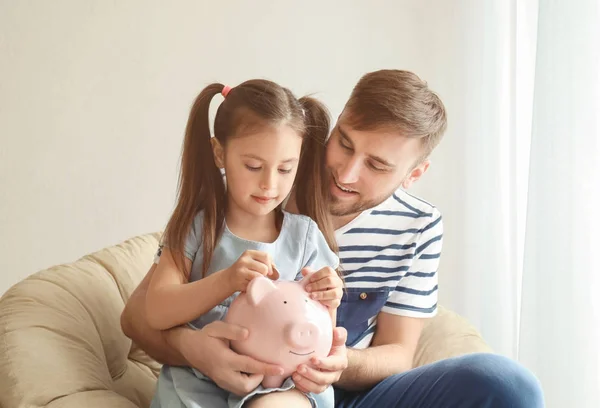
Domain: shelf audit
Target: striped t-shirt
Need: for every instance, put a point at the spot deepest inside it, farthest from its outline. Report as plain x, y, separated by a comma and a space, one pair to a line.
389, 255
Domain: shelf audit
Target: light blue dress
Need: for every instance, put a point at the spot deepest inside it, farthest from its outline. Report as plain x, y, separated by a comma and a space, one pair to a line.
299, 244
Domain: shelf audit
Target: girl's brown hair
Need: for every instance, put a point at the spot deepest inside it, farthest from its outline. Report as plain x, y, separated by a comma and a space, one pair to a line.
201, 186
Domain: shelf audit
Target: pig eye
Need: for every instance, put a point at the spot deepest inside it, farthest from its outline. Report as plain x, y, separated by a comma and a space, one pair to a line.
285, 301
306, 300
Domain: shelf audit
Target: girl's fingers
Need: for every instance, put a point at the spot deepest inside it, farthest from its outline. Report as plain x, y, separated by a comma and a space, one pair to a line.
259, 267
331, 294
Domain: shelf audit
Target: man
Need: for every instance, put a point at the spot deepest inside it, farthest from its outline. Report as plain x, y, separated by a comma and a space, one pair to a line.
390, 244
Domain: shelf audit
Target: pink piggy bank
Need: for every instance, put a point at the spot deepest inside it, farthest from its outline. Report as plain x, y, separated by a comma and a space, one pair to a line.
285, 326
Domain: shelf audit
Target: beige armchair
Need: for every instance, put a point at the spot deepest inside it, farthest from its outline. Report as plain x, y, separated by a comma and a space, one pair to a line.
61, 343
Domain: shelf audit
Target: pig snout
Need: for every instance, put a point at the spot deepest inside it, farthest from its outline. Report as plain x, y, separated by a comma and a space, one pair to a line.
302, 335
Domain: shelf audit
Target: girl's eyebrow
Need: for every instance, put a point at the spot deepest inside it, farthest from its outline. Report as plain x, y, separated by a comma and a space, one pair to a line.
255, 157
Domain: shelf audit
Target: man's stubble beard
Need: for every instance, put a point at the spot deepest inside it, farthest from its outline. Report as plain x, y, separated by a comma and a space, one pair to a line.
355, 208
359, 206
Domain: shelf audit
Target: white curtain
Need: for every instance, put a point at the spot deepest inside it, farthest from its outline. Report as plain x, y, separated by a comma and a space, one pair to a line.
518, 182
560, 313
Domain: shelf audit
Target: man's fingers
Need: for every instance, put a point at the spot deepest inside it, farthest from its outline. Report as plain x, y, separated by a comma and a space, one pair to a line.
340, 335
239, 383
228, 331
249, 365
337, 359
331, 363
305, 384
327, 370
250, 382
301, 388
317, 376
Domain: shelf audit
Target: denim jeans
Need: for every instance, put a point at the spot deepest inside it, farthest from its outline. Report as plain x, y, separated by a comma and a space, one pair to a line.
473, 381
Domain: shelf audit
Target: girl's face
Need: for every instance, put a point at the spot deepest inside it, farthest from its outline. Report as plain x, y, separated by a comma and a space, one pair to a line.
260, 167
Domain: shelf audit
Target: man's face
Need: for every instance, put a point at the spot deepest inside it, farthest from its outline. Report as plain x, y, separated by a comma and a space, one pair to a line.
366, 167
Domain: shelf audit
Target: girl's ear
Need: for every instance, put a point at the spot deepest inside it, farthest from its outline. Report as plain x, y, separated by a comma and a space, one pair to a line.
218, 152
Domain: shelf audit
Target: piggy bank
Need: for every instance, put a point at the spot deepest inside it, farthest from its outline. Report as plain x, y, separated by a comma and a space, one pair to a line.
286, 327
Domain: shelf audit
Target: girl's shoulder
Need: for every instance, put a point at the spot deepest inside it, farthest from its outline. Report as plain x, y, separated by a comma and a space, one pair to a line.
195, 234
197, 222
297, 223
199, 216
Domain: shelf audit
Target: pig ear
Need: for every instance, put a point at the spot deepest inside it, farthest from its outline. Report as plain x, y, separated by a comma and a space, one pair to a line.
258, 288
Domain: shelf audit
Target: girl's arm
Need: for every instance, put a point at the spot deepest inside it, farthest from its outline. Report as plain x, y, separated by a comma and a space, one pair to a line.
172, 301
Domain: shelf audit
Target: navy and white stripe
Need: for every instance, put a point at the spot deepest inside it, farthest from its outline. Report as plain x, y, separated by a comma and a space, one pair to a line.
393, 248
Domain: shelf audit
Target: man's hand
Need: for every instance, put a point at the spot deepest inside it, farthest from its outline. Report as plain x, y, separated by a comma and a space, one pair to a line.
323, 372
391, 352
208, 351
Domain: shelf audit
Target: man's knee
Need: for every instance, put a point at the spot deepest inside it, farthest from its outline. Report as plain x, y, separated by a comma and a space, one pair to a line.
503, 380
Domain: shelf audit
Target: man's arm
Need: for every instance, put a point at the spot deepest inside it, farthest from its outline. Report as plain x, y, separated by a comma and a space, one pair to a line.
134, 324
400, 322
391, 352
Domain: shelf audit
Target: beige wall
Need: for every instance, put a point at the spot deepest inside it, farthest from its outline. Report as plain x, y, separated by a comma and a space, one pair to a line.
94, 96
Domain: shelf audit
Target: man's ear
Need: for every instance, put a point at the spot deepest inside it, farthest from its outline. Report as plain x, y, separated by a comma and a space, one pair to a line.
415, 174
218, 152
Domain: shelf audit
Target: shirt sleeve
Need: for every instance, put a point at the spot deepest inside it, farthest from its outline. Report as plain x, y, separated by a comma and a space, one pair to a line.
416, 294
317, 253
192, 242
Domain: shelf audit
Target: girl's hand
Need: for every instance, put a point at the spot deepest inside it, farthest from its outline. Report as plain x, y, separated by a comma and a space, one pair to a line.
250, 265
326, 286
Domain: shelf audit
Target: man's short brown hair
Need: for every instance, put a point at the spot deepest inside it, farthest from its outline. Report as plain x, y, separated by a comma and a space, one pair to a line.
399, 101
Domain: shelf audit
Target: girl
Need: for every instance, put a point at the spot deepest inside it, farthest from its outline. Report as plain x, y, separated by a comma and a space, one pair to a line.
223, 234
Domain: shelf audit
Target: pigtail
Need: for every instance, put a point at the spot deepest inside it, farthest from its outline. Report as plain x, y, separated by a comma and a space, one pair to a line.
200, 185
312, 192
